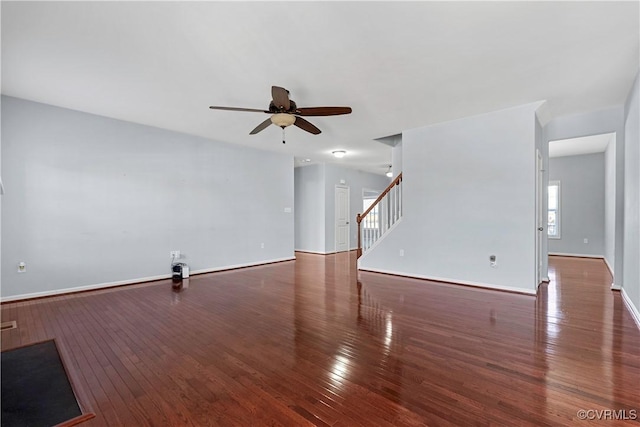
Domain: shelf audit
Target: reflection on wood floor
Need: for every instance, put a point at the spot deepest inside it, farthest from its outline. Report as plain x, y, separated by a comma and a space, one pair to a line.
314, 342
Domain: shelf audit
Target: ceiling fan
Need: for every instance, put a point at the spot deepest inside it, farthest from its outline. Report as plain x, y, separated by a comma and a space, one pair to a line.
284, 112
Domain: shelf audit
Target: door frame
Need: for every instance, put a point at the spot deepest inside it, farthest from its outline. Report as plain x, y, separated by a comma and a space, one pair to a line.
540, 226
335, 217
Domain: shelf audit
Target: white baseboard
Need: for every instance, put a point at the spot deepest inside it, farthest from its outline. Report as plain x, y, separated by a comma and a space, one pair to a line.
454, 282
84, 288
244, 265
613, 276
324, 253
633, 310
609, 267
577, 255
133, 281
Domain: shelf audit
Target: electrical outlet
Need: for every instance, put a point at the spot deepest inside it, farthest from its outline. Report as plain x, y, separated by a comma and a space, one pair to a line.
401, 252
586, 240
493, 261
174, 254
262, 245
22, 267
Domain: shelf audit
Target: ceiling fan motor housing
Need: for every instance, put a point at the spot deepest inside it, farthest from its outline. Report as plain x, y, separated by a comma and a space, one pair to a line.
279, 109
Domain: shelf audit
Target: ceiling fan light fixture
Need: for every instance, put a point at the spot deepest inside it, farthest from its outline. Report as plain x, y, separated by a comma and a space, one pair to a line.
339, 153
283, 119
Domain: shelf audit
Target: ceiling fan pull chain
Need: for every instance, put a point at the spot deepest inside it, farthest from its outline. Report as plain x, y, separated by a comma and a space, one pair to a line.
283, 134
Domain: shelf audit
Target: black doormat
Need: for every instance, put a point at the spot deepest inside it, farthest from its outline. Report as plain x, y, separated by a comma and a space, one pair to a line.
36, 390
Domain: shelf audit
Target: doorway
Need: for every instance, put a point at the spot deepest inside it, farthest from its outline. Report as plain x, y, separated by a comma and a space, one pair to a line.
582, 194
342, 218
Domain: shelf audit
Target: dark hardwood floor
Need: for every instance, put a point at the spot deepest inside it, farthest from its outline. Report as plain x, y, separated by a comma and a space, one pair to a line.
313, 342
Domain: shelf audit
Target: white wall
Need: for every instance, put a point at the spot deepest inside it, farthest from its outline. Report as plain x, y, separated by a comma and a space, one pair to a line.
315, 203
631, 272
610, 203
582, 199
610, 120
396, 158
469, 192
91, 200
309, 183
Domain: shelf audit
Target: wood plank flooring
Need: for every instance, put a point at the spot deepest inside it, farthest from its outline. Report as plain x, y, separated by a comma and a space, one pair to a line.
314, 342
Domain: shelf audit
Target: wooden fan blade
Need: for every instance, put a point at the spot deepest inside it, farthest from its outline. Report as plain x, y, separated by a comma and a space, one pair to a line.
238, 109
261, 126
305, 125
323, 111
280, 97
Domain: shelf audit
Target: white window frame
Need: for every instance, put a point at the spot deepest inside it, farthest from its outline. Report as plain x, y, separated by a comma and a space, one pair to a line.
558, 234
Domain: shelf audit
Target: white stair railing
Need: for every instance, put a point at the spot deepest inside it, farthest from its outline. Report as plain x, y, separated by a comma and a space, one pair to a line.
380, 216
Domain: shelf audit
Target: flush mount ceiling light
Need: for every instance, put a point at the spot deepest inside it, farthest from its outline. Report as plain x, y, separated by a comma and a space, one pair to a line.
339, 153
389, 173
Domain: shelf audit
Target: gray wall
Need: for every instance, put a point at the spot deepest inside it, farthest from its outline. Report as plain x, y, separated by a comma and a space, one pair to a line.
610, 204
581, 204
309, 184
631, 272
469, 192
315, 203
91, 200
610, 120
396, 159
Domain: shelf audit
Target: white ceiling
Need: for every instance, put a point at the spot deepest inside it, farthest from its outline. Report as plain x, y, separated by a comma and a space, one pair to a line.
577, 146
399, 65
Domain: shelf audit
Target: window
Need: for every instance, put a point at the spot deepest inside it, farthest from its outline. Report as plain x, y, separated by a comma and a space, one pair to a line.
372, 218
553, 222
